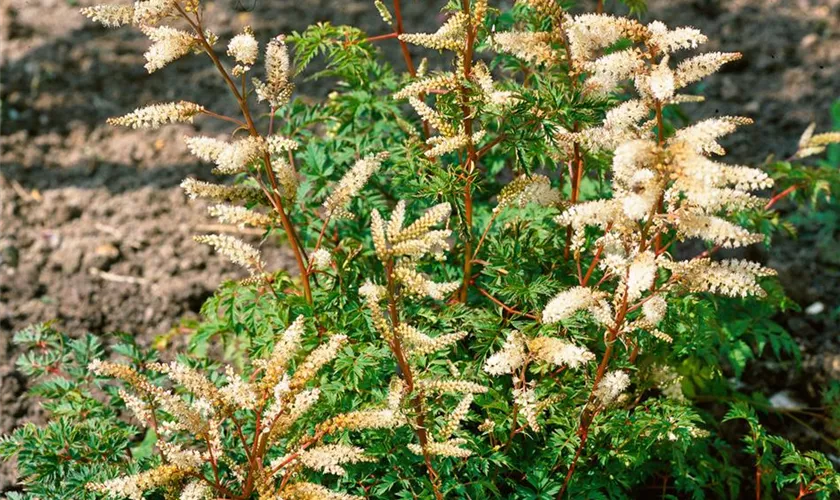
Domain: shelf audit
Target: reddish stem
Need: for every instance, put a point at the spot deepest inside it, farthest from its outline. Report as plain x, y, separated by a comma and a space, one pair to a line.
408, 377
503, 305
386, 36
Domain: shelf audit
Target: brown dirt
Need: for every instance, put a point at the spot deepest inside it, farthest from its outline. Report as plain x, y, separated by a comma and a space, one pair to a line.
79, 198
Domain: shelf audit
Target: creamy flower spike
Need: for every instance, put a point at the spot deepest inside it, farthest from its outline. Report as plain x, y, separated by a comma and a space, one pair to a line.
157, 115
201, 420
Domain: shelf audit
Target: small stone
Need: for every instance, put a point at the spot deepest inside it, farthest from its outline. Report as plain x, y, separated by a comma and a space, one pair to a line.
784, 400
815, 308
809, 40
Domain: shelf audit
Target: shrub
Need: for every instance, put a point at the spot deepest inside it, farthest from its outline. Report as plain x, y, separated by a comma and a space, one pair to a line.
492, 295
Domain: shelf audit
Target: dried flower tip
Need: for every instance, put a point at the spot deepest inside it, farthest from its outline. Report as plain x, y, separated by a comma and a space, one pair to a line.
169, 44
567, 302
509, 358
234, 249
611, 386
352, 182
244, 48
110, 16
155, 115
559, 352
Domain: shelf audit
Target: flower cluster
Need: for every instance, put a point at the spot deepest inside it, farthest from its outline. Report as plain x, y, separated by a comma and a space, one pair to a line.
193, 429
400, 248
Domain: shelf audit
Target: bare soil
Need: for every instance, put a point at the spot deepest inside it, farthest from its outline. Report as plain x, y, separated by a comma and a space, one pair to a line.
96, 234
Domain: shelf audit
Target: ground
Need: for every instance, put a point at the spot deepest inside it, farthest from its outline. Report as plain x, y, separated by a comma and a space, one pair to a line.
96, 234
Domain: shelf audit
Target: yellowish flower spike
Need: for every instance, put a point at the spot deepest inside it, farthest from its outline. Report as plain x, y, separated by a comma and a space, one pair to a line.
352, 182
236, 250
156, 115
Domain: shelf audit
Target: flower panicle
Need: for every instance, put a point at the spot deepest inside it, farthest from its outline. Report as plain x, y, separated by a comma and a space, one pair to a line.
156, 115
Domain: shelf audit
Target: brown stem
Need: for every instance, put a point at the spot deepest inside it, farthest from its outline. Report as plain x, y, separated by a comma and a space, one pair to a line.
408, 377
571, 472
472, 157
225, 118
503, 305
484, 234
780, 196
660, 129
274, 195
409, 62
386, 36
591, 411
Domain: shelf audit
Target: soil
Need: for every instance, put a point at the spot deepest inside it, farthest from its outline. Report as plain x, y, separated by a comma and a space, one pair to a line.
96, 234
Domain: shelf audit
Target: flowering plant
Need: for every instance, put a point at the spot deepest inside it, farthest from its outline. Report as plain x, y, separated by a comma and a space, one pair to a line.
526, 322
